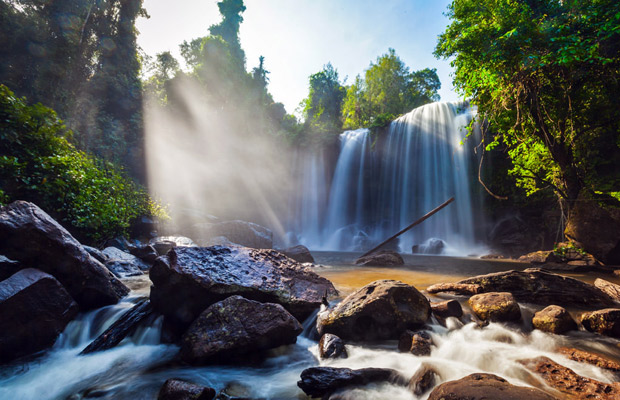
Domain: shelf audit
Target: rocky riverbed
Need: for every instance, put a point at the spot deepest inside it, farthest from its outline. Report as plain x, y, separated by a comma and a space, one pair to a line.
172, 320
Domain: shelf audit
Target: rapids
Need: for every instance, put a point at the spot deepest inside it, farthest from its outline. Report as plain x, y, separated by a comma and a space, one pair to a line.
137, 368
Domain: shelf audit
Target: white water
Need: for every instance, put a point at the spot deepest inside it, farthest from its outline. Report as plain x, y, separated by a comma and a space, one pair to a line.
379, 188
131, 370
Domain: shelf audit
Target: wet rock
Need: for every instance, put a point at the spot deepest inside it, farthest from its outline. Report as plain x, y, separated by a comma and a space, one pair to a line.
533, 285
554, 319
606, 322
446, 309
486, 386
540, 257
162, 247
123, 264
611, 289
416, 343
322, 381
237, 326
381, 258
331, 346
595, 229
8, 267
146, 253
423, 380
163, 244
177, 389
587, 357
571, 385
30, 236
298, 253
496, 307
144, 227
431, 246
219, 241
121, 328
243, 233
380, 310
96, 254
34, 310
189, 279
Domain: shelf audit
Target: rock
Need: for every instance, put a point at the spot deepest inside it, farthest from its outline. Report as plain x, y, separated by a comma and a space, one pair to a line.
458, 288
144, 227
34, 310
121, 328
162, 247
423, 380
298, 253
96, 254
177, 389
380, 310
595, 229
496, 307
571, 385
611, 289
431, 246
30, 236
124, 264
589, 358
163, 244
331, 346
606, 322
189, 279
446, 309
237, 326
381, 258
322, 381
118, 242
533, 285
416, 343
8, 267
146, 253
486, 387
540, 257
554, 319
243, 233
219, 241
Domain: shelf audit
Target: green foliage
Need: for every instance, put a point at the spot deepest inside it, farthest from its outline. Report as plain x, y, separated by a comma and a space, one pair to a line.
388, 87
546, 77
322, 107
94, 198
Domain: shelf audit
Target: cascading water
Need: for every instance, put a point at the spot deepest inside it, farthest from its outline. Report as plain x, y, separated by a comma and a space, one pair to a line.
381, 184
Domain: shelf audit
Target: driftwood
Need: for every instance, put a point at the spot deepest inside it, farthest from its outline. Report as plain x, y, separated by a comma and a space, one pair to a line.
419, 221
121, 328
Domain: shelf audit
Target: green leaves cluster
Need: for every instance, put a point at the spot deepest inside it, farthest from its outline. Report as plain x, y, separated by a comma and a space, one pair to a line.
546, 76
387, 89
92, 197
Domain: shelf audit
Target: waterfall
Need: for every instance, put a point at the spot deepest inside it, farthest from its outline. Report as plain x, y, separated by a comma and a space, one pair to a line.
381, 183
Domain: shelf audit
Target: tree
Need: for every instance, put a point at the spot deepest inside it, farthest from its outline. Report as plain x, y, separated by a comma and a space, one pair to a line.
388, 89
322, 107
228, 29
546, 76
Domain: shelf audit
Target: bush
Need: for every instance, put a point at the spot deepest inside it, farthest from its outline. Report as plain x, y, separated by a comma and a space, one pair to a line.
94, 199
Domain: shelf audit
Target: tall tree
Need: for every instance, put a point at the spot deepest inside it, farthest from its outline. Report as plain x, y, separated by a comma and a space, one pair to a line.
322, 107
546, 75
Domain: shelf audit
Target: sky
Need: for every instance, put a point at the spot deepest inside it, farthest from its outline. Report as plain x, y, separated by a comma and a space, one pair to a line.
298, 37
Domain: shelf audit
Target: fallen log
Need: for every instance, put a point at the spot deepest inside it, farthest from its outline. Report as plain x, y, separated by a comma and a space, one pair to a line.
120, 329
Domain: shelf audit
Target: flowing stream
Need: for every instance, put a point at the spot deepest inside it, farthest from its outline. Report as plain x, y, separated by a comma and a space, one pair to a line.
137, 368
383, 182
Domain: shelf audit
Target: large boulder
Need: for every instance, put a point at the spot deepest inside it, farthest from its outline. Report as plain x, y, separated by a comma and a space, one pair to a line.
533, 285
483, 387
177, 389
496, 307
606, 321
189, 279
34, 310
237, 326
123, 264
244, 233
322, 381
554, 319
380, 310
571, 385
32, 237
595, 229
298, 253
381, 258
